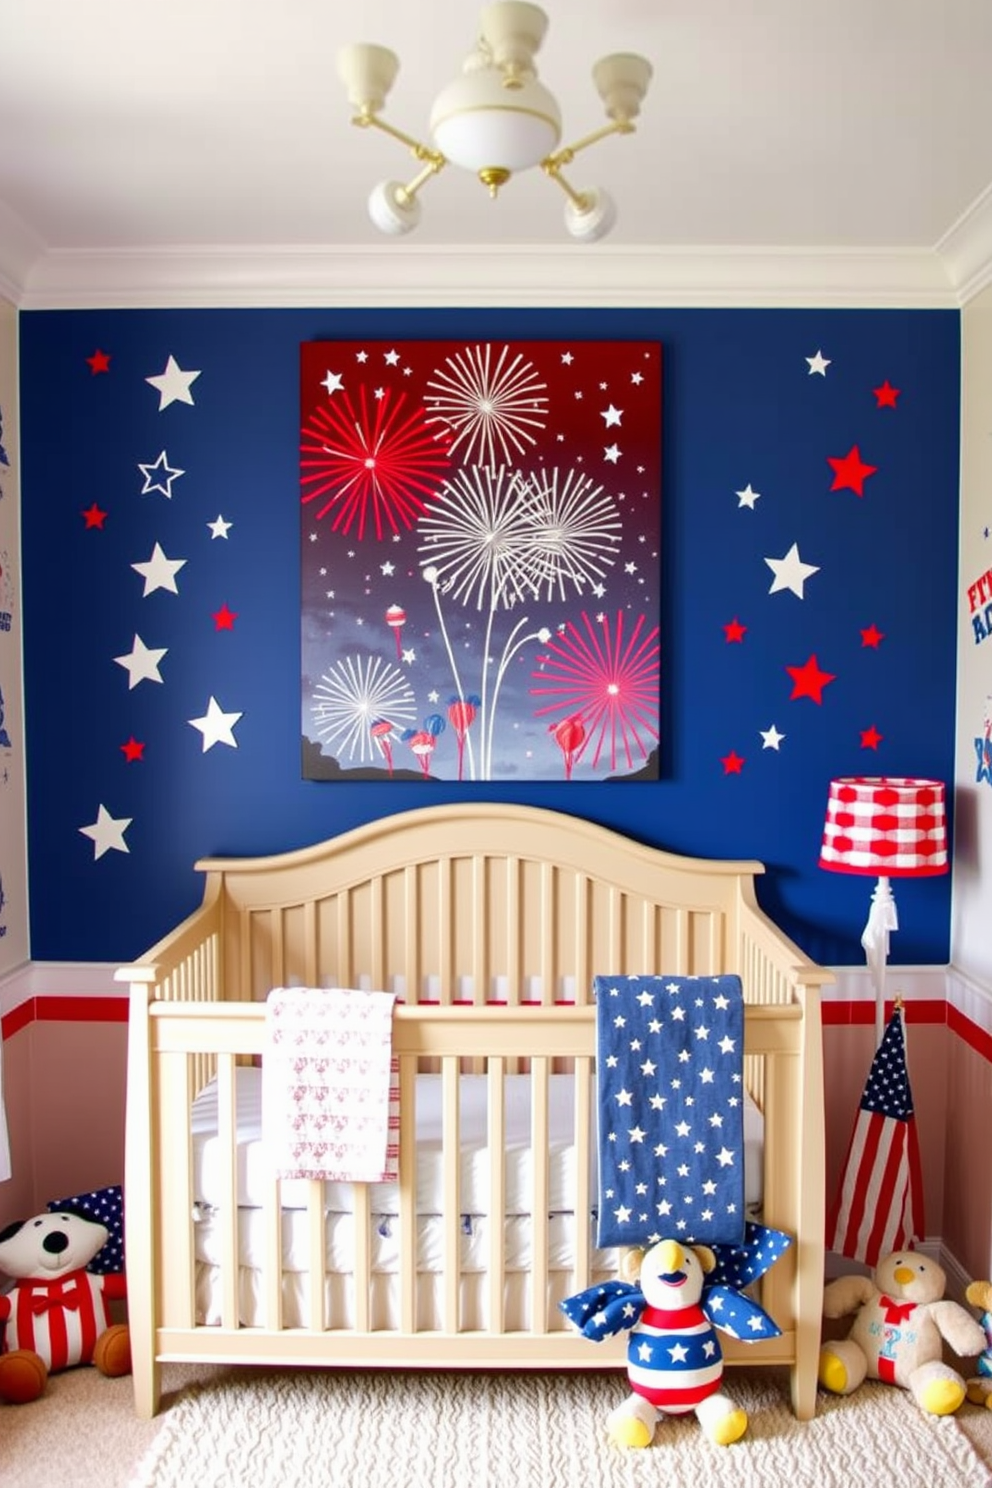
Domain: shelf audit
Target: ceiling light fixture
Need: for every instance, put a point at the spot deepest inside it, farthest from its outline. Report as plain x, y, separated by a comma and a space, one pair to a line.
496, 119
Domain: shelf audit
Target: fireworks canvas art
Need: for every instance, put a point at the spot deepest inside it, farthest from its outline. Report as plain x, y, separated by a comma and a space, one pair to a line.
480, 534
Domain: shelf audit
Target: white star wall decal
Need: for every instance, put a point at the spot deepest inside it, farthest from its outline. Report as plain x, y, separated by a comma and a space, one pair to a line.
173, 384
168, 472
216, 726
790, 572
159, 572
141, 663
107, 832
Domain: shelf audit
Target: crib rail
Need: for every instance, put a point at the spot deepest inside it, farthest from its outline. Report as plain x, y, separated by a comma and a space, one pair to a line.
489, 923
180, 1039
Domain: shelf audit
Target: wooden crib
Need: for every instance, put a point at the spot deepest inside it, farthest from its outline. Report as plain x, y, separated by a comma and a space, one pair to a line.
489, 922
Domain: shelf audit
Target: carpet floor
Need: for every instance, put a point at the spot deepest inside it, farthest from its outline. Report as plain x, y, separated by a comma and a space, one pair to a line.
245, 1428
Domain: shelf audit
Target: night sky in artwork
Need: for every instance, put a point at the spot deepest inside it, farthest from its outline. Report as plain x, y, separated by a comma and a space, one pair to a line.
480, 559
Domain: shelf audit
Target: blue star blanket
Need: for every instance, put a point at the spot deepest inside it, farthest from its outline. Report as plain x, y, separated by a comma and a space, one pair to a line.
670, 1090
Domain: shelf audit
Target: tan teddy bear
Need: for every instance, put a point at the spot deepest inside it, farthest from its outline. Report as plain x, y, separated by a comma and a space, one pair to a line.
900, 1322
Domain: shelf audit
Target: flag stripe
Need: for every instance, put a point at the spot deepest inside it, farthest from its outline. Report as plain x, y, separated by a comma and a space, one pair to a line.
884, 1228
879, 1203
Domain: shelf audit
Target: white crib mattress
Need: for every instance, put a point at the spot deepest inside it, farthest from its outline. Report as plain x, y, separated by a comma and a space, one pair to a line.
254, 1168
473, 1242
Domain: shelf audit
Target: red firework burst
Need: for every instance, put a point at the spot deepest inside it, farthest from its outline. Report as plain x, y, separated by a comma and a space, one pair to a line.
609, 682
370, 464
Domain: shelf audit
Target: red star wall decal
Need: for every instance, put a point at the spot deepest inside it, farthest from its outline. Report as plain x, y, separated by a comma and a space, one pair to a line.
850, 471
734, 631
132, 750
99, 362
224, 618
886, 395
94, 517
871, 738
872, 636
809, 681
732, 763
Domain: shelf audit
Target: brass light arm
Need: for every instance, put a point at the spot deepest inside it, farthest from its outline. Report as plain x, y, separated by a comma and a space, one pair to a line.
366, 119
567, 153
552, 164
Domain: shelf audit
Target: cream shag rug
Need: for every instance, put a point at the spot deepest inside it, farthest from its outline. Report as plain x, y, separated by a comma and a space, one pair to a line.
296, 1429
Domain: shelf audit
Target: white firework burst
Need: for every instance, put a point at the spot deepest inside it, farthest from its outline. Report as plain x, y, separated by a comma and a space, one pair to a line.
493, 410
352, 696
575, 531
478, 539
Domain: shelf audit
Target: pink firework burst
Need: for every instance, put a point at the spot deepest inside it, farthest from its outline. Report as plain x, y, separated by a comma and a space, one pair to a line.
609, 682
370, 465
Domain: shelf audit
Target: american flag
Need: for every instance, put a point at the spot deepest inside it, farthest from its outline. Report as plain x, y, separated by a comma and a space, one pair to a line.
671, 1109
879, 1203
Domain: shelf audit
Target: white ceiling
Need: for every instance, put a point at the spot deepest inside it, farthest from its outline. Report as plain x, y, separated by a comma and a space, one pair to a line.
200, 151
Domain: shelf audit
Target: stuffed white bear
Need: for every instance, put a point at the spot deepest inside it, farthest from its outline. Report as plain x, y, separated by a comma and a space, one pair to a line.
57, 1313
900, 1322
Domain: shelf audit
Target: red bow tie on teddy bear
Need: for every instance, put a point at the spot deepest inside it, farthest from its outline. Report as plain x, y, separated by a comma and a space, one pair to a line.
66, 1292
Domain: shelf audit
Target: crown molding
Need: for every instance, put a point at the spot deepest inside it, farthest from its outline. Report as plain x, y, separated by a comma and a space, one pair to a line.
420, 274
966, 248
21, 250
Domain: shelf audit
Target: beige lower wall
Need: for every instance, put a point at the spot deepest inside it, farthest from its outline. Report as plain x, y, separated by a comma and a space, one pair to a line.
64, 1090
967, 1215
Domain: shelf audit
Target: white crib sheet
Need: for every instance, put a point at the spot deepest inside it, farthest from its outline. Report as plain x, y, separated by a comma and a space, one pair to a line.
254, 1168
384, 1300
339, 1242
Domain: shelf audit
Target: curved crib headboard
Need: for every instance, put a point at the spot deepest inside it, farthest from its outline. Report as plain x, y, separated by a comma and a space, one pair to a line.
482, 902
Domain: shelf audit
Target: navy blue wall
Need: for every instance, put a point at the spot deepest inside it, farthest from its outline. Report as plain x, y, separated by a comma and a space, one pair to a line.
741, 407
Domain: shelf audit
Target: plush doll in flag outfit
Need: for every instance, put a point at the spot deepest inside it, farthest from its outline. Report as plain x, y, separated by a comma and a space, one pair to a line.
901, 1320
671, 1315
56, 1315
979, 1294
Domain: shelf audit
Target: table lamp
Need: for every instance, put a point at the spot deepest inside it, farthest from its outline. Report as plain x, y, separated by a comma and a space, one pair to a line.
888, 827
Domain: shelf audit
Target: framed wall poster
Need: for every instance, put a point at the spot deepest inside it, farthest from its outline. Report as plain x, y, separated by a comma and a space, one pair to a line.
480, 531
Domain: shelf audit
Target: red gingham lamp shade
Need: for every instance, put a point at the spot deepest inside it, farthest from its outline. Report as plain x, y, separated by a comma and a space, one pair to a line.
892, 827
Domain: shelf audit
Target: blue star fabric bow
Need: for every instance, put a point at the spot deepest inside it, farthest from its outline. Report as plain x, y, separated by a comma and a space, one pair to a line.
615, 1306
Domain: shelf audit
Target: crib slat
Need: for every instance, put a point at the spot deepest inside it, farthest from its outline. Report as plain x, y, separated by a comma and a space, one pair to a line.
445, 970
316, 1248
362, 1255
277, 941
496, 1141
408, 1194
549, 919
245, 990
580, 948
481, 965
450, 1147
411, 935
377, 970
175, 1183
272, 1282
514, 969
539, 1138
227, 1132
345, 970
583, 1143
310, 972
